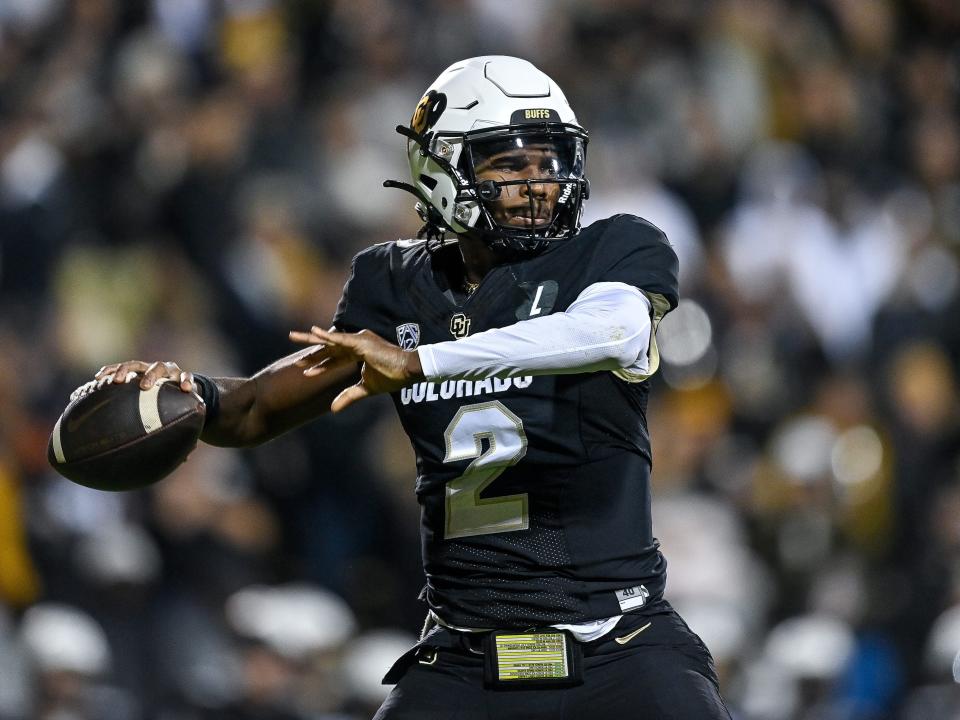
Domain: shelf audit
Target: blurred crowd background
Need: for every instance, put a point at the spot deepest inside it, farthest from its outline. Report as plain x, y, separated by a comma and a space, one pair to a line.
188, 179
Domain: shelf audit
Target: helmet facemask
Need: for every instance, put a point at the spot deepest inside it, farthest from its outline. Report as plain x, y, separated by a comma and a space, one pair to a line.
529, 182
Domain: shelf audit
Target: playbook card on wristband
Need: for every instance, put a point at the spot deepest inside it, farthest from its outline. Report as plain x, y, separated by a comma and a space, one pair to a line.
537, 658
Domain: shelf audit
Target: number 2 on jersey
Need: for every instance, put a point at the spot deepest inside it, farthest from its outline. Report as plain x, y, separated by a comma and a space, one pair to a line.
466, 513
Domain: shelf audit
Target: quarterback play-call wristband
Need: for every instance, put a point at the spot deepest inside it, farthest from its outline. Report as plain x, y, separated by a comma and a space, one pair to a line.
210, 394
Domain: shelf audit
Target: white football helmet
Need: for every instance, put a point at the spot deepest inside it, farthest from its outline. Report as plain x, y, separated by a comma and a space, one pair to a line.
476, 109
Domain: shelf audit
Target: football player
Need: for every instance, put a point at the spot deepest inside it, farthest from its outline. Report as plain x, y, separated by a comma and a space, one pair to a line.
524, 344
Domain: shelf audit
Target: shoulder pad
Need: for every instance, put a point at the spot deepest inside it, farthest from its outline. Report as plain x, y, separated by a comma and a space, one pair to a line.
632, 250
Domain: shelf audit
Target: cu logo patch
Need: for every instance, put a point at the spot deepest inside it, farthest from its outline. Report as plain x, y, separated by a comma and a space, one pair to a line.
459, 326
408, 336
429, 110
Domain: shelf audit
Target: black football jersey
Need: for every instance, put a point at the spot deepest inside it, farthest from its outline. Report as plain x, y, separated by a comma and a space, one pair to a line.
534, 491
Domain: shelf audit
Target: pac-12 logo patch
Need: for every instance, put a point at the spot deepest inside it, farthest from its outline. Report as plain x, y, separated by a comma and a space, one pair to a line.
459, 326
408, 336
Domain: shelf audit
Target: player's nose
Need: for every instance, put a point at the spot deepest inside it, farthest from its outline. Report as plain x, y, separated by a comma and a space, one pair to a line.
534, 187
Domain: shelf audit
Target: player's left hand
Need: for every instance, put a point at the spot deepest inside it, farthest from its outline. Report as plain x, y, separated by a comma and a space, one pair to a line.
386, 368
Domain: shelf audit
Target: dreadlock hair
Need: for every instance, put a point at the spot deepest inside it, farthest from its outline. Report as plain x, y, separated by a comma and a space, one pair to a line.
433, 230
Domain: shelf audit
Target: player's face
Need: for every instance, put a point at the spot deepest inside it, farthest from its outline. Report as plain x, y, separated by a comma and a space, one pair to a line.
538, 164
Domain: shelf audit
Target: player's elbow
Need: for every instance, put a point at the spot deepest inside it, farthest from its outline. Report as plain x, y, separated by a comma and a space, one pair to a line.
624, 344
620, 331
625, 349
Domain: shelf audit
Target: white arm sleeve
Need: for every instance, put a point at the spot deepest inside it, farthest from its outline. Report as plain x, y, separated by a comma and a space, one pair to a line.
606, 328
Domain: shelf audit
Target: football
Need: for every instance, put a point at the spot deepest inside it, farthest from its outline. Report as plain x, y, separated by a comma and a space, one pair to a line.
119, 437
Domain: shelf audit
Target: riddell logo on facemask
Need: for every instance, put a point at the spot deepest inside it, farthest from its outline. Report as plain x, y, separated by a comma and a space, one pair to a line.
565, 193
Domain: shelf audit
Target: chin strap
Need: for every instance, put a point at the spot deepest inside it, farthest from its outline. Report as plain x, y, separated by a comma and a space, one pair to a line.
406, 187
421, 140
434, 229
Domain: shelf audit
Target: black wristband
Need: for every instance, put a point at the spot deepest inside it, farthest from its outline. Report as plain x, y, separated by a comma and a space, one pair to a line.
207, 389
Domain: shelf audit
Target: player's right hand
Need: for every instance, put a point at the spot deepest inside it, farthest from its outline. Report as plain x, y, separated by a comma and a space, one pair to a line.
149, 373
385, 367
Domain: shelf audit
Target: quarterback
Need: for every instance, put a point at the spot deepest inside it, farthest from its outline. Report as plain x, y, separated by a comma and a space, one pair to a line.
517, 347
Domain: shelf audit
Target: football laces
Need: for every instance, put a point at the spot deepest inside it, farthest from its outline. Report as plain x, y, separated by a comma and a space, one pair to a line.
95, 384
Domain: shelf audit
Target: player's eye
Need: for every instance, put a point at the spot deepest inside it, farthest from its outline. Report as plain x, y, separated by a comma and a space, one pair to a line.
509, 164
550, 166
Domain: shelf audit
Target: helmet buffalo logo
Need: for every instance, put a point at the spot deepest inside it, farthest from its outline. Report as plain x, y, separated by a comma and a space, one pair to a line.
429, 110
408, 336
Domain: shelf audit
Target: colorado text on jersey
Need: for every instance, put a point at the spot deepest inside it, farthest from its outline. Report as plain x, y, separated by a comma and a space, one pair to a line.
429, 391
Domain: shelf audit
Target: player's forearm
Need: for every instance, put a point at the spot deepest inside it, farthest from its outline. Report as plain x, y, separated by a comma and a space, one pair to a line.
277, 399
607, 328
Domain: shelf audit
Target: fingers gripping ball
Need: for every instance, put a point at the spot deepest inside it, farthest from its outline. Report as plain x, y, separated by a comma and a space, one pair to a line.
119, 437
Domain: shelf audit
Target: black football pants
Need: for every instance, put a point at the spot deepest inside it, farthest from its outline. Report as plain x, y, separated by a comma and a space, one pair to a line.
662, 672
